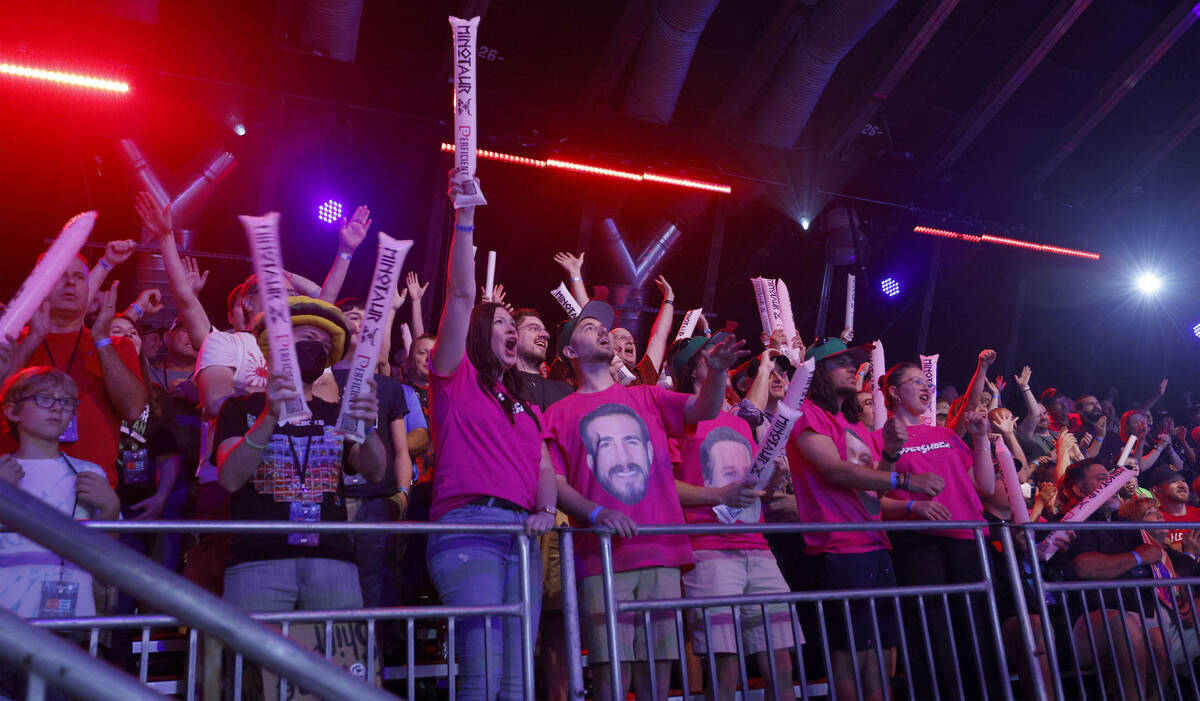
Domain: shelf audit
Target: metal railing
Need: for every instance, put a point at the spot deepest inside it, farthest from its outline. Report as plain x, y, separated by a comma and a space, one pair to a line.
918, 645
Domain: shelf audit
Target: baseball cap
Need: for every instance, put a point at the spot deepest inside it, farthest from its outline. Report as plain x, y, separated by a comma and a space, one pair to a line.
828, 347
315, 312
1161, 475
596, 309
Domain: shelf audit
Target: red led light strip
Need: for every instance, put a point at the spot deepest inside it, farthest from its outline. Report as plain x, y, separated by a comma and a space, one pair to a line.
1005, 241
596, 170
72, 79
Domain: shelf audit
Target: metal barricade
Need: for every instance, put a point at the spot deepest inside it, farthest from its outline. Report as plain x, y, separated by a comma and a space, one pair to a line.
1124, 638
982, 625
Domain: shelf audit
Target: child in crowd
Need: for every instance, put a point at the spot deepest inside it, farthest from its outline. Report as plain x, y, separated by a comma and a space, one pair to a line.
39, 402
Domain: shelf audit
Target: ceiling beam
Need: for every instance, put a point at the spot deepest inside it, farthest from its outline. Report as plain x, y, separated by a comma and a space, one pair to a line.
891, 70
1171, 138
1155, 46
1005, 85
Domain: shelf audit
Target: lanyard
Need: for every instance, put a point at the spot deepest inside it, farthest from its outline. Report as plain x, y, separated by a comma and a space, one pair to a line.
301, 467
62, 563
71, 362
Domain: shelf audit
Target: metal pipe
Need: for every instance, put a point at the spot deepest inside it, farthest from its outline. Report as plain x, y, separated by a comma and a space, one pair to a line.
650, 261
142, 171
162, 588
63, 664
187, 204
610, 613
523, 550
664, 57
566, 554
620, 251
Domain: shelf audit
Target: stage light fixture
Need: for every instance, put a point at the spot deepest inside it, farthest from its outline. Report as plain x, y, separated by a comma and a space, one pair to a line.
239, 129
1005, 241
805, 223
1196, 330
1149, 283
330, 211
63, 78
889, 286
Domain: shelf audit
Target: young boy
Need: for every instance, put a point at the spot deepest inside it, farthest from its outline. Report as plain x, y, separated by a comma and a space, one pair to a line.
38, 404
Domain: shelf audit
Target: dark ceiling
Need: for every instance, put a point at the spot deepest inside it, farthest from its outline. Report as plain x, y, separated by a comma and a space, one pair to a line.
1058, 121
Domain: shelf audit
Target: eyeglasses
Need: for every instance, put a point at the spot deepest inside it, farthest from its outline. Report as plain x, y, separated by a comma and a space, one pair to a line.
917, 382
47, 401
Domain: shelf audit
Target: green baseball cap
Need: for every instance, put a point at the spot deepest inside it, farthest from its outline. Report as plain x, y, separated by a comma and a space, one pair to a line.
829, 347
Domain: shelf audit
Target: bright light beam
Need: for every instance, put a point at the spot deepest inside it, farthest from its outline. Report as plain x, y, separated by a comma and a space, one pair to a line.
1149, 283
63, 78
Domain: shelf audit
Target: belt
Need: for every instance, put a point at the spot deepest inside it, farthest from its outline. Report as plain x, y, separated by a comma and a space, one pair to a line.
499, 504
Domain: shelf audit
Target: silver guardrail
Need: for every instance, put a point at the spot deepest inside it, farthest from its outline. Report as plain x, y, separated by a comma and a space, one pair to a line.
113, 563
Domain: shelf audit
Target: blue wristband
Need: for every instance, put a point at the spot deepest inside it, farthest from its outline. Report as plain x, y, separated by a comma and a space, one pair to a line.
909, 507
1137, 558
895, 480
137, 308
595, 512
106, 341
105, 264
467, 229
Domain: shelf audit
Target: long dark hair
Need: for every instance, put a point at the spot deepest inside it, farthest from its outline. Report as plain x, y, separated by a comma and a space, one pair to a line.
823, 394
488, 368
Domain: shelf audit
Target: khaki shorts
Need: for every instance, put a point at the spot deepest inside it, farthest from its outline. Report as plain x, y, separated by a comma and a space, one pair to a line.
645, 584
737, 573
552, 598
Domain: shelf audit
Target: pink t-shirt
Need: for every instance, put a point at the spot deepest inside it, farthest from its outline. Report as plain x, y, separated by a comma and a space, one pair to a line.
479, 452
818, 501
716, 453
623, 464
939, 450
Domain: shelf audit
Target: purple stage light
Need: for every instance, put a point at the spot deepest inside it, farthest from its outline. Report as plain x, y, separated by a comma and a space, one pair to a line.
330, 211
889, 286
1196, 330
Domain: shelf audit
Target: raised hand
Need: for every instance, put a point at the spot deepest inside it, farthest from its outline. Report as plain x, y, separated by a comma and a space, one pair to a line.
156, 219
664, 287
117, 252
987, 356
572, 264
1000, 384
847, 335
723, 355
195, 279
108, 309
1022, 379
351, 233
977, 423
1162, 386
150, 301
415, 289
365, 407
280, 390
398, 298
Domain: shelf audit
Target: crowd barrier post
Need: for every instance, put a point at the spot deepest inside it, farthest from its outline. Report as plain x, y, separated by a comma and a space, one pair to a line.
571, 635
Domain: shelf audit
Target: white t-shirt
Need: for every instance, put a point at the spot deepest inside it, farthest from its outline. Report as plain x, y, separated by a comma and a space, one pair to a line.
237, 350
25, 565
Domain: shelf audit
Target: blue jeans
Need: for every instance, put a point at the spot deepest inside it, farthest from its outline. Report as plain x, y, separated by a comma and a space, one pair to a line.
472, 569
375, 552
301, 583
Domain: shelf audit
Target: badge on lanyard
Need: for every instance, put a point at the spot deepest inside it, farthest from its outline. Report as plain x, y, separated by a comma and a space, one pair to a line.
135, 466
71, 433
305, 512
58, 599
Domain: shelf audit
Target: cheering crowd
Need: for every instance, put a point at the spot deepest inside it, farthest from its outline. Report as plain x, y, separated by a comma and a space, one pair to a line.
494, 418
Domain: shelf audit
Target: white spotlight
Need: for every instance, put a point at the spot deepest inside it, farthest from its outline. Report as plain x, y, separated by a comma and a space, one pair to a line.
1149, 283
804, 222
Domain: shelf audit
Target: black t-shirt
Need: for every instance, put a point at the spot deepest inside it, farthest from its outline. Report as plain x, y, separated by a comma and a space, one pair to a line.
392, 407
302, 464
541, 391
1112, 542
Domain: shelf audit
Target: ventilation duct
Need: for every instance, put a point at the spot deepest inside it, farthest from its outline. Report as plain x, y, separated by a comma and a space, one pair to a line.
330, 27
628, 297
823, 41
664, 57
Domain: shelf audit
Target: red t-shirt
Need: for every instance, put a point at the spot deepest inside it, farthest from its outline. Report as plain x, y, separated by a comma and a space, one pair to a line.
713, 454
480, 453
97, 420
939, 450
624, 465
818, 501
1175, 538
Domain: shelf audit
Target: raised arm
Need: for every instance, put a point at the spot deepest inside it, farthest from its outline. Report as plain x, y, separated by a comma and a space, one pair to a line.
350, 237
974, 390
1029, 421
183, 288
1150, 401
115, 253
416, 292
719, 358
451, 343
983, 476
656, 347
124, 388
759, 391
574, 267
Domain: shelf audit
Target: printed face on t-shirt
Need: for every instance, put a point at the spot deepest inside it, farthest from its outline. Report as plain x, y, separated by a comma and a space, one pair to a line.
857, 452
619, 450
725, 457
